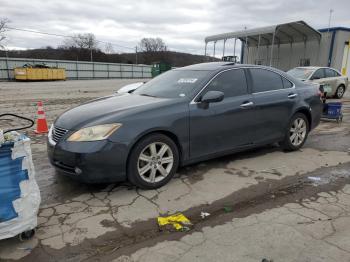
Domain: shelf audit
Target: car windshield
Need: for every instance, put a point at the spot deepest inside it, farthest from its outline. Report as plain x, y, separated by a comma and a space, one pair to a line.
301, 73
173, 84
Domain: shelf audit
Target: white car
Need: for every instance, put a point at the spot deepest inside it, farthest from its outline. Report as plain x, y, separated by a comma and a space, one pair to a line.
129, 88
333, 83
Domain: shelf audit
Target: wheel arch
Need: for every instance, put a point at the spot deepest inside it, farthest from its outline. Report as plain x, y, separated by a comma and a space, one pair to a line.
342, 84
305, 111
165, 132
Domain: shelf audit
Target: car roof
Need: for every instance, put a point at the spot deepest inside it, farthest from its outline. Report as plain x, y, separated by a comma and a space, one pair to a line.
218, 66
314, 67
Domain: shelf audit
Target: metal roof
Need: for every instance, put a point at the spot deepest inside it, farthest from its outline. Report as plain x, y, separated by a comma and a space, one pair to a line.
298, 31
332, 29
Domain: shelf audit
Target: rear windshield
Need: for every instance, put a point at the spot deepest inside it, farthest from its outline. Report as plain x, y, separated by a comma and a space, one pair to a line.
174, 84
301, 73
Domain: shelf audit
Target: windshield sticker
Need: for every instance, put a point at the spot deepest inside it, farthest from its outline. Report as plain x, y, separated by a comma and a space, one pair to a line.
187, 80
182, 95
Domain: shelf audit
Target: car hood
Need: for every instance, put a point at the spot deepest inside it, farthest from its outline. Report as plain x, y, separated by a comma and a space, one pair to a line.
105, 110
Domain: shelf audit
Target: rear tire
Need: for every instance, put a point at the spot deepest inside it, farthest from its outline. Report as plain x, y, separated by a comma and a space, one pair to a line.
340, 92
153, 161
296, 133
26, 235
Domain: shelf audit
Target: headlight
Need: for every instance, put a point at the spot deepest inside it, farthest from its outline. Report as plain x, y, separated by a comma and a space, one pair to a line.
94, 133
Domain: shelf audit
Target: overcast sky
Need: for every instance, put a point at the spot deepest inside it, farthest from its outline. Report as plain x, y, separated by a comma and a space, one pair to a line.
182, 24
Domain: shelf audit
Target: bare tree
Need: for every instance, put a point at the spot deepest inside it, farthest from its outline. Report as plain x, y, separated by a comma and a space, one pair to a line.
82, 41
152, 45
109, 48
3, 23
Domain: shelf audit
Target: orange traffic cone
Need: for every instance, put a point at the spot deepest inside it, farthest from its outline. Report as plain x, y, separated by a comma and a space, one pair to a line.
41, 124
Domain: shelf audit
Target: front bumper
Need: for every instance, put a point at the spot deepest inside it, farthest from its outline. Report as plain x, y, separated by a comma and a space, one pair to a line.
89, 162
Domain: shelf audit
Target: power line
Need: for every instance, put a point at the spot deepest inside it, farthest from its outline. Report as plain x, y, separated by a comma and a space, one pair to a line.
66, 36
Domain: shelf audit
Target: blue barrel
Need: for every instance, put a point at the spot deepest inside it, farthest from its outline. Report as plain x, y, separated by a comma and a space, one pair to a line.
11, 174
334, 109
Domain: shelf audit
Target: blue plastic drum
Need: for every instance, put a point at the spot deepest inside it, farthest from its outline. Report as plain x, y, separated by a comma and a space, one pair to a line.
334, 109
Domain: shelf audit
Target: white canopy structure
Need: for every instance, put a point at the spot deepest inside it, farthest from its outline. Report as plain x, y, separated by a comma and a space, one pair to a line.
287, 33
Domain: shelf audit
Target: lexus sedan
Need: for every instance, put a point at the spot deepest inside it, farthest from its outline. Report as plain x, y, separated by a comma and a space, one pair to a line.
183, 116
333, 83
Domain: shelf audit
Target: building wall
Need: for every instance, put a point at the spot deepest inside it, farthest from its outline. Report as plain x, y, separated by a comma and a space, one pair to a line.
78, 69
285, 57
338, 51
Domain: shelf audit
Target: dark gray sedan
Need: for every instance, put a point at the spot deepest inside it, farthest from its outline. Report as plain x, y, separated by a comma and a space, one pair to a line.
183, 116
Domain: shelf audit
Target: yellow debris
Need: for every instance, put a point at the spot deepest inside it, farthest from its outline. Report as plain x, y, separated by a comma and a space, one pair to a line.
177, 220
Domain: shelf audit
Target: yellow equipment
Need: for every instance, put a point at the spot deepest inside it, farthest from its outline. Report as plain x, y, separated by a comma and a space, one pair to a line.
37, 73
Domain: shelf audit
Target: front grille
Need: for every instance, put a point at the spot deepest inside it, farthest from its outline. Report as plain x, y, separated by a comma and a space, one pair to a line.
58, 133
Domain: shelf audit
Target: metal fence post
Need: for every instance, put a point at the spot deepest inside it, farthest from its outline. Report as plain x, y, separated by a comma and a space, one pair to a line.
76, 67
7, 68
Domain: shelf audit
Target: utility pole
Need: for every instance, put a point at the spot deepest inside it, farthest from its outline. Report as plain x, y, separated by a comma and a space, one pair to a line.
135, 54
329, 20
91, 54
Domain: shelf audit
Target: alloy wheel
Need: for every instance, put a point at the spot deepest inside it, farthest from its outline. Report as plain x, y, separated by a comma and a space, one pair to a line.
340, 91
297, 132
155, 162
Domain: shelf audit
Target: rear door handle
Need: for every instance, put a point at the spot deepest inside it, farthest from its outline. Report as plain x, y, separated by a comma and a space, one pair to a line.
247, 104
292, 95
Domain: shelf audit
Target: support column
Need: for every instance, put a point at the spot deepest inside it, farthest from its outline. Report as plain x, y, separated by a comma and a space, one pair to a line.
214, 48
273, 41
318, 53
246, 44
205, 49
267, 55
257, 57
223, 49
234, 47
304, 48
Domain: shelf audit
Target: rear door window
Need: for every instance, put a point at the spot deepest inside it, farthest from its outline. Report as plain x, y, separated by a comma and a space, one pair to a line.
287, 83
265, 80
319, 73
331, 73
231, 83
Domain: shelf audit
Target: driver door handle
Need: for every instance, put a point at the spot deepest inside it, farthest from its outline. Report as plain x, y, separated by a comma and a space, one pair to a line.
292, 95
247, 104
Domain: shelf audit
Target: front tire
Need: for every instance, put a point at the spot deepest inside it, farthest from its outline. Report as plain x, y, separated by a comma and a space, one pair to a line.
297, 132
153, 161
340, 92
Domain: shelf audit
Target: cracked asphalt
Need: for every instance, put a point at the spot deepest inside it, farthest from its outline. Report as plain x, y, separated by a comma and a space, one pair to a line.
261, 203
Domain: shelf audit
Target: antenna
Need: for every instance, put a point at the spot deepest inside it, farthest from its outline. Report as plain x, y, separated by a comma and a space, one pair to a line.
330, 17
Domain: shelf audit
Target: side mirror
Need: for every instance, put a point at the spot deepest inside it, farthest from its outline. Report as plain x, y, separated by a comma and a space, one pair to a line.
315, 78
212, 97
